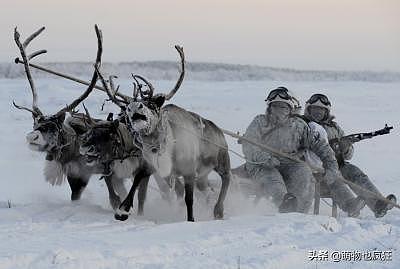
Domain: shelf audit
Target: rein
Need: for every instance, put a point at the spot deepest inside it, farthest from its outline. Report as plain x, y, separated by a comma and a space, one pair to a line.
57, 152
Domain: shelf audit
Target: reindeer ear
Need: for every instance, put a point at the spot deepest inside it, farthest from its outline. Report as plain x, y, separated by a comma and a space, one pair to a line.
159, 100
110, 116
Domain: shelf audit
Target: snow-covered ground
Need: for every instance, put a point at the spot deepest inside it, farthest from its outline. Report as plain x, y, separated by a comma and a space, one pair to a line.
44, 229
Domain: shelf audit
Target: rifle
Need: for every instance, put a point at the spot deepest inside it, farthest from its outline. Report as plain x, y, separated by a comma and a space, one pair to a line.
353, 138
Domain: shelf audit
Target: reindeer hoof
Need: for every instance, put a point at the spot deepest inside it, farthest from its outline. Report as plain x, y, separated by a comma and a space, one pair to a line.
218, 212
75, 196
122, 217
219, 216
191, 220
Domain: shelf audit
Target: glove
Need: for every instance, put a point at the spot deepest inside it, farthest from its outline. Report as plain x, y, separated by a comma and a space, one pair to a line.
266, 159
345, 145
331, 176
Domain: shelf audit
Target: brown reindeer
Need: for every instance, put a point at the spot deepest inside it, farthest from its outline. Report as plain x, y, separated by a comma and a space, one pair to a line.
57, 137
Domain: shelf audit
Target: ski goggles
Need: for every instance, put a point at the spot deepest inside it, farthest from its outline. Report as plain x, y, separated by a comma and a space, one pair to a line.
319, 97
282, 92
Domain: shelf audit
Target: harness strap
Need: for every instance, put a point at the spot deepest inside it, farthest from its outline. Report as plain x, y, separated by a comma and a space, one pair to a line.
127, 144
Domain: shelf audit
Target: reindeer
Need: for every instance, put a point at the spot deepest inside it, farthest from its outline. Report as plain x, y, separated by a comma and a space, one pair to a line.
175, 142
109, 143
59, 138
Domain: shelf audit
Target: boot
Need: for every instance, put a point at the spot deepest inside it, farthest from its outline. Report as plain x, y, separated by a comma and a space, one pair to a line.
289, 203
381, 207
354, 206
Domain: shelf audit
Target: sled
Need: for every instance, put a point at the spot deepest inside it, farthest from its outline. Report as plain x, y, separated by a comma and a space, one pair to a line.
250, 189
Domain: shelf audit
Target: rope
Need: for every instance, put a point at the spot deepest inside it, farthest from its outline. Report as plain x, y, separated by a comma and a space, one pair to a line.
216, 144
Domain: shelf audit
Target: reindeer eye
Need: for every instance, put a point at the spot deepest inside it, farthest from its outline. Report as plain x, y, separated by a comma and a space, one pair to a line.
140, 106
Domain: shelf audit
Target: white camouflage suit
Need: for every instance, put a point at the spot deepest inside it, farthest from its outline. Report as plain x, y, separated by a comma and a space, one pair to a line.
350, 171
278, 176
339, 190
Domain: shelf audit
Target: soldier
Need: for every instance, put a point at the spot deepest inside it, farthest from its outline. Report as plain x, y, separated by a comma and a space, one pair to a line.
289, 183
318, 109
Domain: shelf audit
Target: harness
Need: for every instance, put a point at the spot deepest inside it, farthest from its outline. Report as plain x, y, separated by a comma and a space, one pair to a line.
123, 148
58, 152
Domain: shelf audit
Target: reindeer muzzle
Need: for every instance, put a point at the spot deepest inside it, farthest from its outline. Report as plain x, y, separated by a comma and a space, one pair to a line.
36, 141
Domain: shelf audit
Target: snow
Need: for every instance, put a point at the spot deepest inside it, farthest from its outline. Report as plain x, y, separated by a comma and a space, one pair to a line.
44, 229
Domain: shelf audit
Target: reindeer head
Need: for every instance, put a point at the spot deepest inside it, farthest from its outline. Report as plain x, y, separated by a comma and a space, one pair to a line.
47, 129
46, 132
143, 116
142, 111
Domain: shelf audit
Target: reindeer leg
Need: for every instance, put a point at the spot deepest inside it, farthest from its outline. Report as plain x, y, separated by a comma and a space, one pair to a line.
219, 206
224, 170
115, 200
122, 212
142, 194
77, 185
179, 189
189, 183
165, 189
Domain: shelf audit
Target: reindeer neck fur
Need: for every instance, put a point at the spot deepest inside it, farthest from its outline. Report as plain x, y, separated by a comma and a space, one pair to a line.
64, 159
158, 146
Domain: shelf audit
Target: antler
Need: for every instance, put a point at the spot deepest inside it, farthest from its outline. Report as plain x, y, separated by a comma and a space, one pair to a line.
111, 92
25, 60
147, 94
181, 76
135, 91
111, 79
24, 108
94, 77
89, 118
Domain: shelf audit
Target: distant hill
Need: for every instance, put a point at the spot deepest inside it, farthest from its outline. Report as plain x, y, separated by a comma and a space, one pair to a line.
164, 70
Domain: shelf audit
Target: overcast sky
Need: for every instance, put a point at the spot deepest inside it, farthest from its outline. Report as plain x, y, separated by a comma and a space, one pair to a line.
303, 34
